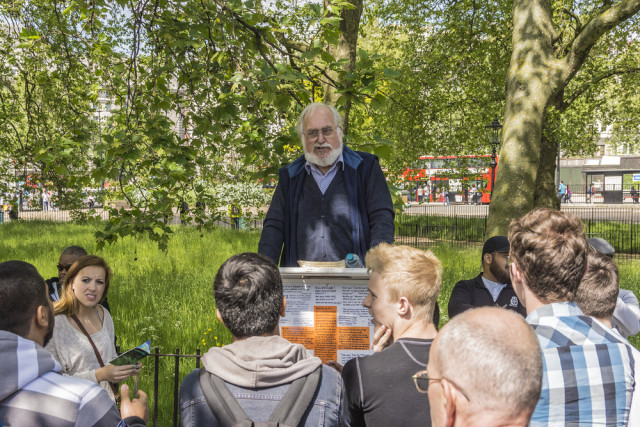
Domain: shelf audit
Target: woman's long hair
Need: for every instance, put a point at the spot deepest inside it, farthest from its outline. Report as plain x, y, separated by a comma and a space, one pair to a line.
68, 304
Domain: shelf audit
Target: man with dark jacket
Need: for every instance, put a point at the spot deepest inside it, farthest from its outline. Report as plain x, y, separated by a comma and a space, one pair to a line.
257, 371
330, 202
32, 390
492, 287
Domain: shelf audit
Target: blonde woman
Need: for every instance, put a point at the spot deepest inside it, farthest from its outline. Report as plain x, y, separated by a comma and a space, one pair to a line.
83, 337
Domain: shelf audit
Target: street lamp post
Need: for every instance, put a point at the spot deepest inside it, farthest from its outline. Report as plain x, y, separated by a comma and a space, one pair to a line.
493, 135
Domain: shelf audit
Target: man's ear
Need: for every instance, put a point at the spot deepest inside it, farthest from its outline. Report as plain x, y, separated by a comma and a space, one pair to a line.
42, 317
283, 307
220, 317
486, 259
39, 325
449, 393
404, 306
516, 274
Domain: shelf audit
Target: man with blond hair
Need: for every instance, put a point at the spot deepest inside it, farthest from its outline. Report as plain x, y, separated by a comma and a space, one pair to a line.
403, 289
485, 369
329, 202
588, 369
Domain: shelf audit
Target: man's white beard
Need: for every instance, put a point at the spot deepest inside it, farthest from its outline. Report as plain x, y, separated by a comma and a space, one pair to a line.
326, 161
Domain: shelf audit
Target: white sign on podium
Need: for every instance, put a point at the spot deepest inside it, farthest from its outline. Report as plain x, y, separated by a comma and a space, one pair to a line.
325, 313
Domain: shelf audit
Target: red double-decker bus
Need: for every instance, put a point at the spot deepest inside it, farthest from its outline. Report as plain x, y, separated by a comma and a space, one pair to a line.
454, 173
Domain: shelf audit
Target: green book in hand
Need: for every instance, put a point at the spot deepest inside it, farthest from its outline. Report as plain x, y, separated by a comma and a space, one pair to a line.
133, 356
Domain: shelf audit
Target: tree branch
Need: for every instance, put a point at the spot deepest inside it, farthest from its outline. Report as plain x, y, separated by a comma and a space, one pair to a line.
575, 18
596, 79
592, 32
259, 33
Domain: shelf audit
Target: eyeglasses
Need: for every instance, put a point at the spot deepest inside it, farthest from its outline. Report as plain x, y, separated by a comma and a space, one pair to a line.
63, 267
313, 134
422, 381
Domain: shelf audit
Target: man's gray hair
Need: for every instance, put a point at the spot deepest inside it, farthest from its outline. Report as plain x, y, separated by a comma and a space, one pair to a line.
494, 356
337, 118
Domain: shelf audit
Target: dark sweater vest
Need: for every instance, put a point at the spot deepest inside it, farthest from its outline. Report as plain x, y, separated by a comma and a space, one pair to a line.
323, 232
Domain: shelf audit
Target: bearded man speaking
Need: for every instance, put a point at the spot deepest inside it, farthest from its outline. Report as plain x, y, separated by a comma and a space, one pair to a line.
492, 287
330, 202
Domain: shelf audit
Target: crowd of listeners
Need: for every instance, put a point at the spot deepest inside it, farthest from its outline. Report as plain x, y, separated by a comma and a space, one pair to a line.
537, 338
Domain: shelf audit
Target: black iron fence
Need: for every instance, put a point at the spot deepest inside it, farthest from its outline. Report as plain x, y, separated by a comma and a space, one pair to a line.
51, 214
427, 224
177, 357
57, 215
423, 226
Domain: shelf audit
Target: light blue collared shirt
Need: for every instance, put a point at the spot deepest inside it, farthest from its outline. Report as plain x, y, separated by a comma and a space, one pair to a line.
324, 180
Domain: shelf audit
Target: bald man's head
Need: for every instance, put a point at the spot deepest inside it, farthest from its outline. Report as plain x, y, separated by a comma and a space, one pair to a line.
493, 357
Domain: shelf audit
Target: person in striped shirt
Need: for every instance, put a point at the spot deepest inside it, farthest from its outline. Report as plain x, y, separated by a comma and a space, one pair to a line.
32, 390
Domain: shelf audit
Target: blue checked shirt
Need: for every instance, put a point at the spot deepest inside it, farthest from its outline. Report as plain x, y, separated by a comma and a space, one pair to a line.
588, 374
323, 181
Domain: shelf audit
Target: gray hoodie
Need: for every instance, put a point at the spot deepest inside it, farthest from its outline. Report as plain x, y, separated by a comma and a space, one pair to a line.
260, 362
33, 393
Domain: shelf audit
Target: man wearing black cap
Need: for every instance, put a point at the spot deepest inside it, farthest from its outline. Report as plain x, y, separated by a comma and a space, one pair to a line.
492, 287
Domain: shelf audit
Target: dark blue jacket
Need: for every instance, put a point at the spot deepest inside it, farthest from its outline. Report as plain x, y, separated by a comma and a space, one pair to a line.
467, 294
371, 208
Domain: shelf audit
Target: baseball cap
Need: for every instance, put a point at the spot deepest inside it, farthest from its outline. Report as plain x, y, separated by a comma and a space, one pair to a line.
496, 244
602, 246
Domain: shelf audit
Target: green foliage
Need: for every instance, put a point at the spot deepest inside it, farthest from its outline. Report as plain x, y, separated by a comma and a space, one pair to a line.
162, 101
444, 68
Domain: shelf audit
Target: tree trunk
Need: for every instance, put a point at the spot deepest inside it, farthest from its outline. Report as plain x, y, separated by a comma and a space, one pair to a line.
529, 88
346, 49
545, 194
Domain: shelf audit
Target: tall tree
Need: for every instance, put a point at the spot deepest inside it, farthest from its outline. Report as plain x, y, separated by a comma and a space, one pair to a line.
544, 61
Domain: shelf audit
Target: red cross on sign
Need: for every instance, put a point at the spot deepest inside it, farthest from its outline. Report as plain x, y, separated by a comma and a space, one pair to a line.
326, 337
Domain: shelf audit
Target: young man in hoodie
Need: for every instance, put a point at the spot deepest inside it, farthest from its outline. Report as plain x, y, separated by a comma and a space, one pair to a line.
259, 366
32, 390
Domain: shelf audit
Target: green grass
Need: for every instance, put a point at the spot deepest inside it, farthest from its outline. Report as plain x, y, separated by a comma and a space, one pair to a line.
165, 297
168, 298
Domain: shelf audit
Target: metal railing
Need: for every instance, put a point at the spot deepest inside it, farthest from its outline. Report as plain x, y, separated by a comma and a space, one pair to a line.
177, 356
425, 225
457, 224
57, 215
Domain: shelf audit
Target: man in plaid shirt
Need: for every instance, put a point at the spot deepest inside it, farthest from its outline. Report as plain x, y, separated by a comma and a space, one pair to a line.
588, 376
